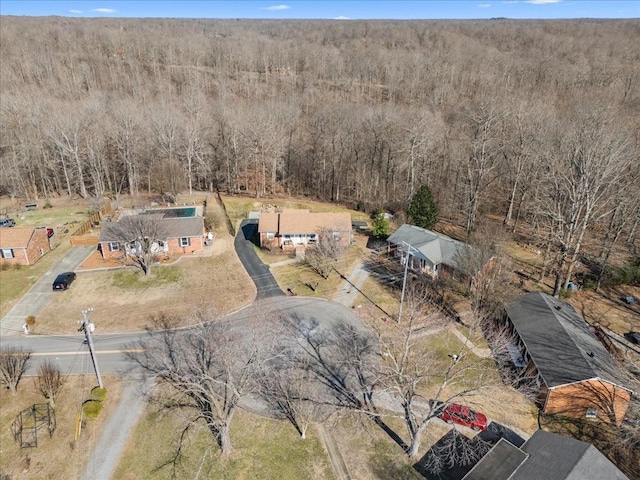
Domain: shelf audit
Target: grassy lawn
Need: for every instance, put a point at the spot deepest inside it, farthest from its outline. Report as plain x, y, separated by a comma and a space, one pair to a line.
17, 279
368, 452
63, 218
263, 449
59, 456
123, 300
385, 297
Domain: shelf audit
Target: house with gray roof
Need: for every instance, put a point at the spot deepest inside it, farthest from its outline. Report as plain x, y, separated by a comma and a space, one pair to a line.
172, 236
545, 456
575, 373
429, 252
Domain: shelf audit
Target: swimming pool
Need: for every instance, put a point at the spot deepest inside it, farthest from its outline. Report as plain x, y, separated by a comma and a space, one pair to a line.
180, 212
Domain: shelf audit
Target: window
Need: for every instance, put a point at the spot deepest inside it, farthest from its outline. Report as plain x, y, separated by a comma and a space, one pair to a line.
7, 253
185, 241
114, 246
270, 235
592, 413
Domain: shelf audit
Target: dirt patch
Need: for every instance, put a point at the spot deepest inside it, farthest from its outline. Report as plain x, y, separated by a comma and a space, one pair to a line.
606, 308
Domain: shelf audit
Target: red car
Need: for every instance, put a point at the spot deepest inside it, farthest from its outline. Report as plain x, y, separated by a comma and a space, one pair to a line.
455, 413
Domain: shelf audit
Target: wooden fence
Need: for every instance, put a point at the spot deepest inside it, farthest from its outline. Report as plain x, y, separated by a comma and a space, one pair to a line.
79, 235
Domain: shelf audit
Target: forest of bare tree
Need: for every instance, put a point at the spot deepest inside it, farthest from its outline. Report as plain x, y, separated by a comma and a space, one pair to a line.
532, 121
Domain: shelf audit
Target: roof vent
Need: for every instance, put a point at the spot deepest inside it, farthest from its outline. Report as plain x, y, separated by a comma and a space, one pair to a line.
557, 307
590, 354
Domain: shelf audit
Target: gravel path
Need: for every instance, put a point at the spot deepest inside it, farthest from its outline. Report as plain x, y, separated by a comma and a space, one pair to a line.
339, 467
351, 287
113, 440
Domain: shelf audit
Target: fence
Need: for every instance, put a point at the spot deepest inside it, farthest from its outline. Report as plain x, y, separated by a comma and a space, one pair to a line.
26, 425
79, 237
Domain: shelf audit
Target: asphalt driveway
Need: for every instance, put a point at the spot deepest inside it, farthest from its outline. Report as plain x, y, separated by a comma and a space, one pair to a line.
258, 271
40, 293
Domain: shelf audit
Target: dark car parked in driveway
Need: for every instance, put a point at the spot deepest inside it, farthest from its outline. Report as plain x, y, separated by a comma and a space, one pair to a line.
63, 280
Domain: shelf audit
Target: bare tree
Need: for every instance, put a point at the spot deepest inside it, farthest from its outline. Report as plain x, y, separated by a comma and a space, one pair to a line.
323, 255
139, 236
208, 368
451, 450
13, 364
341, 361
49, 381
409, 368
487, 271
591, 158
481, 162
287, 386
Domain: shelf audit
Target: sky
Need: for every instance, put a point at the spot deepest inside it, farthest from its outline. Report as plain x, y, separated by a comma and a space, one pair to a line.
363, 9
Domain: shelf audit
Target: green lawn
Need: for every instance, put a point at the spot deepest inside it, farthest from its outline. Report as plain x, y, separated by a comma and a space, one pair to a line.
262, 449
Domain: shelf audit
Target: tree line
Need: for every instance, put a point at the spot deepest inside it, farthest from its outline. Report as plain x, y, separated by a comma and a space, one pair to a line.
528, 120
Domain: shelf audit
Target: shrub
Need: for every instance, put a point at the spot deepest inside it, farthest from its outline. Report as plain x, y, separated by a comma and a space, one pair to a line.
31, 321
91, 408
98, 394
564, 293
47, 204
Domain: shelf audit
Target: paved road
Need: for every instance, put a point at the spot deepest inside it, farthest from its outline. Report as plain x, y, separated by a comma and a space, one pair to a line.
258, 271
40, 293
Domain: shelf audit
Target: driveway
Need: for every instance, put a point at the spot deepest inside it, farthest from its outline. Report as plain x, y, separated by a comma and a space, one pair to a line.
258, 271
40, 293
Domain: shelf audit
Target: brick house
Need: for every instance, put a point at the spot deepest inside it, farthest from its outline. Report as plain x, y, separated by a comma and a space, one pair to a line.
23, 245
575, 374
430, 252
175, 236
293, 229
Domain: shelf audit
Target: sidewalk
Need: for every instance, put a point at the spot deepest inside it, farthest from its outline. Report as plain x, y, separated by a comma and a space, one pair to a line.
352, 286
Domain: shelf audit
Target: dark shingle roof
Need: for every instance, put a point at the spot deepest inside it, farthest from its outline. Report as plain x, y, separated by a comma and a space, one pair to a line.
433, 247
168, 228
545, 456
501, 461
560, 342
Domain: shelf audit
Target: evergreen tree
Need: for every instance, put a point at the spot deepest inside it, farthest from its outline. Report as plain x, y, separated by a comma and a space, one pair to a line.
380, 226
422, 210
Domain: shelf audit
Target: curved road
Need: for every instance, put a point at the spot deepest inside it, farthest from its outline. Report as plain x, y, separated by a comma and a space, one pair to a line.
72, 356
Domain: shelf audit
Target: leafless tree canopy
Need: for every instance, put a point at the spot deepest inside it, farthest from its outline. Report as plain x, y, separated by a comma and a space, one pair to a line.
327, 250
408, 367
531, 121
138, 236
13, 364
208, 368
49, 381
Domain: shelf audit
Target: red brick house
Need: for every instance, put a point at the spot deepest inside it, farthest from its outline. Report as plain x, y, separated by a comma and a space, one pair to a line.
23, 245
176, 236
574, 373
293, 229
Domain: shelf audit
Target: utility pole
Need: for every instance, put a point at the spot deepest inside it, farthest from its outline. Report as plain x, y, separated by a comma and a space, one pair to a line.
404, 281
87, 327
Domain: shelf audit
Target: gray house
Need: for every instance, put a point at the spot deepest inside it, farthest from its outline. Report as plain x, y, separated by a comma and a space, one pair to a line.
429, 252
545, 456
